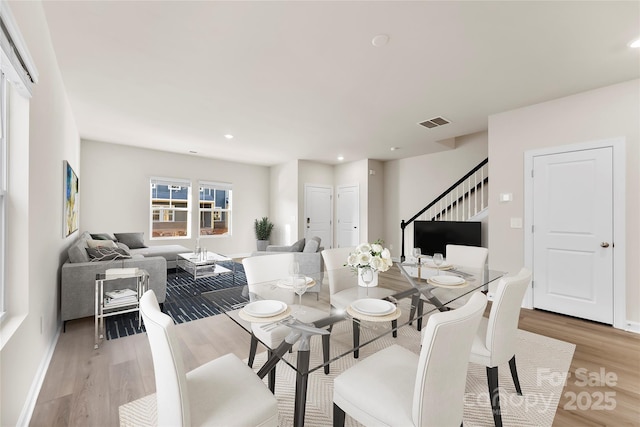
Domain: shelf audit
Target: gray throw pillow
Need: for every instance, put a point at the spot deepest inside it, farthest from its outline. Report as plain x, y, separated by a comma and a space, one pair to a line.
298, 246
78, 251
123, 246
102, 236
312, 245
132, 240
106, 254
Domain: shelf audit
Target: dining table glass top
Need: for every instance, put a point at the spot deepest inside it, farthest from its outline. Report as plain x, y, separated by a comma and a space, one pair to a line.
272, 309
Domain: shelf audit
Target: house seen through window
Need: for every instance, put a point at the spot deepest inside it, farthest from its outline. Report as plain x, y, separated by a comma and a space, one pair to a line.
214, 209
170, 208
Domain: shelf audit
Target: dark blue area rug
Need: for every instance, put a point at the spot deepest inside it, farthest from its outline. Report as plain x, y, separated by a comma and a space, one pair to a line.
184, 301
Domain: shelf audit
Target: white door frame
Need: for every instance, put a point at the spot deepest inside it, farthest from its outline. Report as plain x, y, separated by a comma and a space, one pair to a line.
619, 218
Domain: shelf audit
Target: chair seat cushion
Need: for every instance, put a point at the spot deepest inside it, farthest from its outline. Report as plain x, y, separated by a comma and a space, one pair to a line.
480, 354
342, 299
384, 399
226, 392
273, 337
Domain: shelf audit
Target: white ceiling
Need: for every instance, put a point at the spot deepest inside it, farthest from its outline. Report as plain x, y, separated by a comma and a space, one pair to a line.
302, 80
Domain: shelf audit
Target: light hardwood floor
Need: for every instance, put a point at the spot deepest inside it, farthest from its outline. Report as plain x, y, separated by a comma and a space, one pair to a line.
85, 387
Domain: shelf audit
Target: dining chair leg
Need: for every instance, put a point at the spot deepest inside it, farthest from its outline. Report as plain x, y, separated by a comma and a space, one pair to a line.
253, 347
356, 339
272, 375
494, 395
326, 339
514, 374
338, 416
394, 328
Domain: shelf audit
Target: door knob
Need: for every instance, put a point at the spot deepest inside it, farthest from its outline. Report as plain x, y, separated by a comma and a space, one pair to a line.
604, 244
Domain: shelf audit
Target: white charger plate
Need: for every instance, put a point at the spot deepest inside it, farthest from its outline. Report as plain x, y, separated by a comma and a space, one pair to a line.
373, 307
288, 283
430, 264
447, 280
265, 308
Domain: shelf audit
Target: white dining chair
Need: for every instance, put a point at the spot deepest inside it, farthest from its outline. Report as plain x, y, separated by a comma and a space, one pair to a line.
222, 392
462, 256
344, 288
396, 387
259, 269
495, 341
343, 283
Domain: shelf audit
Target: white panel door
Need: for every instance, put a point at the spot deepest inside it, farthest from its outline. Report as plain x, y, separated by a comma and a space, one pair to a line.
318, 212
348, 216
573, 232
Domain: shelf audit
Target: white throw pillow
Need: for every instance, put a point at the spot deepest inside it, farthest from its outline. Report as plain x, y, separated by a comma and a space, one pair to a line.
101, 243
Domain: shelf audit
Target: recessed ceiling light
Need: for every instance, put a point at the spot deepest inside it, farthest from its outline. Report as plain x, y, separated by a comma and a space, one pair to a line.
340, 158
228, 136
380, 40
635, 44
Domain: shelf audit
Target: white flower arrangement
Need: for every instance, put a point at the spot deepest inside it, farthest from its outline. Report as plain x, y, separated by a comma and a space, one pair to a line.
370, 255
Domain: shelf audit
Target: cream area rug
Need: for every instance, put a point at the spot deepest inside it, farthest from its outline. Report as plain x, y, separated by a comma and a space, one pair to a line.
541, 361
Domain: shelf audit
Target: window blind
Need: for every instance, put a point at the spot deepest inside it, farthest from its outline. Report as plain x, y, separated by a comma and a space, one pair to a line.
15, 61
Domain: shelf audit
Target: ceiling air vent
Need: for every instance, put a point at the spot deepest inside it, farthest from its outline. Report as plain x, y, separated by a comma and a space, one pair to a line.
435, 122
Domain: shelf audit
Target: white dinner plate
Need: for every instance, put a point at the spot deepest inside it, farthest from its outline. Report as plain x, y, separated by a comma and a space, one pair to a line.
429, 263
373, 307
447, 280
265, 308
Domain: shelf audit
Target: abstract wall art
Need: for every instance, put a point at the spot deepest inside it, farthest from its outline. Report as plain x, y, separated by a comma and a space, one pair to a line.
71, 200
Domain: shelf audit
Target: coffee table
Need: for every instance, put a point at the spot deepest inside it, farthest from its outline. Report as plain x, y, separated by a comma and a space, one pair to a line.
205, 264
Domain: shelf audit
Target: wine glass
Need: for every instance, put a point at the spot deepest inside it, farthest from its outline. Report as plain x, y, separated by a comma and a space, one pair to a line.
299, 283
366, 274
294, 269
416, 252
438, 259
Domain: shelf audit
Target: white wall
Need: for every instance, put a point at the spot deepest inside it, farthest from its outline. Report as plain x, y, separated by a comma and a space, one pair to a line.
35, 222
376, 205
114, 193
284, 203
411, 184
599, 114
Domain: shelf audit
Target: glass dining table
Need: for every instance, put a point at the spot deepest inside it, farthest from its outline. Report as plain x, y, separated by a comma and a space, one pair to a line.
274, 304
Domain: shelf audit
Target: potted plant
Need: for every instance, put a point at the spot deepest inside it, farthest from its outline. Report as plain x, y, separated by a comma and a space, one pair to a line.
263, 229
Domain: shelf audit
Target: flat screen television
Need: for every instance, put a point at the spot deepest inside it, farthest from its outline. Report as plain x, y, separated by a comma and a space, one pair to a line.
433, 236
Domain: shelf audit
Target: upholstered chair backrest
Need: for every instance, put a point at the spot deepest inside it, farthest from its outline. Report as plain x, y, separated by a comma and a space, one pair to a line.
505, 313
171, 382
264, 268
340, 277
467, 256
442, 369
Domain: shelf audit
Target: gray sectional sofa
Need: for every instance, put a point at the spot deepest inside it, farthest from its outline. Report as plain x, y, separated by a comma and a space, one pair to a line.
78, 273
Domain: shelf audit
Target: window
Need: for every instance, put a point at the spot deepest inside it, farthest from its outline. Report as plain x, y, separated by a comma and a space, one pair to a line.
170, 208
214, 209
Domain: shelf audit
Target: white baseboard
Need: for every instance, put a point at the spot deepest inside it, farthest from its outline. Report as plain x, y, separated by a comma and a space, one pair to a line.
633, 327
36, 385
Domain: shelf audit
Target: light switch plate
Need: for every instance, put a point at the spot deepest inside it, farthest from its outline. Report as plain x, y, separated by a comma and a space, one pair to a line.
516, 222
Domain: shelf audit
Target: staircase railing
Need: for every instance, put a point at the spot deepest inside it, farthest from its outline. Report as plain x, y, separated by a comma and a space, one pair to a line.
459, 202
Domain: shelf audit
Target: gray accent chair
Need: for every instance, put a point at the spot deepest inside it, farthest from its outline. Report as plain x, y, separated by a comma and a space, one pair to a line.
308, 254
